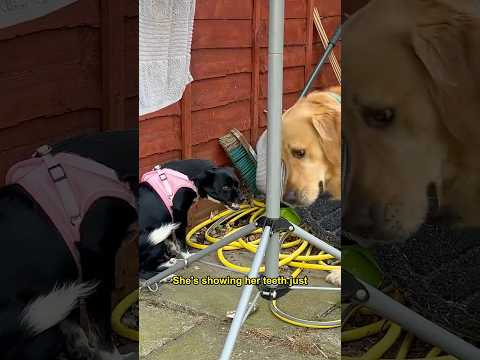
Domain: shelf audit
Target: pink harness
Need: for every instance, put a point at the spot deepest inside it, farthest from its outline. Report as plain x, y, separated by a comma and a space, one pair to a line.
65, 186
166, 183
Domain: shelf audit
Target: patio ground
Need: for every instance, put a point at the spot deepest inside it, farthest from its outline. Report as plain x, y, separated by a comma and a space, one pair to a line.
179, 322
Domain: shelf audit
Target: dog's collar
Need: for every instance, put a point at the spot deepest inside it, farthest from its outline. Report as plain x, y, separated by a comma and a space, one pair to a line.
336, 97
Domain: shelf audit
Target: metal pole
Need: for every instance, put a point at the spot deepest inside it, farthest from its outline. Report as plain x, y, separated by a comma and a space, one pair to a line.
274, 145
418, 325
316, 242
246, 230
245, 297
322, 61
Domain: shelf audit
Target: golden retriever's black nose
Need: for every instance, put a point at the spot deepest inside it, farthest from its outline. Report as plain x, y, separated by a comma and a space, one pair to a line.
290, 197
358, 221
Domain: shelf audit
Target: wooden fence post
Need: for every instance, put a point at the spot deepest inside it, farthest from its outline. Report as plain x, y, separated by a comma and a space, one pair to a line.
113, 64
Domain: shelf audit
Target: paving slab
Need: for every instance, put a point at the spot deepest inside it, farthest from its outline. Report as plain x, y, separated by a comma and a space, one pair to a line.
204, 342
160, 327
197, 317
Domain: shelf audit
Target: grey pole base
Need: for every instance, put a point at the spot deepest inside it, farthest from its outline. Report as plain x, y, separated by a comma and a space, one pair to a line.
246, 230
418, 325
243, 308
241, 311
317, 242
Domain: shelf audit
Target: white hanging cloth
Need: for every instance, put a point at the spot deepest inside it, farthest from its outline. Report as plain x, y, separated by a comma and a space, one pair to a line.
166, 28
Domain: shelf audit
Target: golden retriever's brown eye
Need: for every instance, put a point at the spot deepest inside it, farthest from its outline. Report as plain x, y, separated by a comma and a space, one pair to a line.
378, 118
298, 153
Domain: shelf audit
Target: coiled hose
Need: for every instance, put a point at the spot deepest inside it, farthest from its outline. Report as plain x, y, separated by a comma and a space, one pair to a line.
392, 336
299, 259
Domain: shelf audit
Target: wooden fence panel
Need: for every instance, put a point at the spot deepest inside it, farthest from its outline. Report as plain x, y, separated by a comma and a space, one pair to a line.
74, 71
229, 67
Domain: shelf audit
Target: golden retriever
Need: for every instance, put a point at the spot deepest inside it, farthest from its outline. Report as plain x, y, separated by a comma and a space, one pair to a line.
411, 107
311, 149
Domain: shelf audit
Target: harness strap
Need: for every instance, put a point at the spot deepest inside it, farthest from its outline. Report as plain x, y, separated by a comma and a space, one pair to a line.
62, 184
164, 182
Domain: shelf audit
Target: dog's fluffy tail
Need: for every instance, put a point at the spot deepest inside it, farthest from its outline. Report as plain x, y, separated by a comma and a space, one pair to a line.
50, 309
160, 234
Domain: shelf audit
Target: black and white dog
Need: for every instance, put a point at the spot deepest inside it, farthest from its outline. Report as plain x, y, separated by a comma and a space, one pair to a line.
39, 313
159, 216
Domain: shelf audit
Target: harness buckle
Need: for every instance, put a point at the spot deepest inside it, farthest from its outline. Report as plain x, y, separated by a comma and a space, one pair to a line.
75, 220
43, 150
162, 176
57, 173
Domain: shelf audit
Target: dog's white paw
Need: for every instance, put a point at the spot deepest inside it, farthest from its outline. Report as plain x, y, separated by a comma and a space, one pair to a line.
115, 355
130, 356
335, 277
185, 255
167, 264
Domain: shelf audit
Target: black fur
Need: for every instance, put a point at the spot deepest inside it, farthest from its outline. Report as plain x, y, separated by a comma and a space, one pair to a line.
35, 258
219, 183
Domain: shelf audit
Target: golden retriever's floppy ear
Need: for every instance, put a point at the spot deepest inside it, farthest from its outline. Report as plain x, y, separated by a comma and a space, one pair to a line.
329, 130
441, 40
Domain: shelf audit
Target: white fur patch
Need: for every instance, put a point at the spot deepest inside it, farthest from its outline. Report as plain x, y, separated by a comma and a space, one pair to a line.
212, 199
162, 233
185, 255
50, 309
335, 277
115, 355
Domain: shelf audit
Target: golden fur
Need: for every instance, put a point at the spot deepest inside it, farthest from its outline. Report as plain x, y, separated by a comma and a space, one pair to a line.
419, 59
313, 125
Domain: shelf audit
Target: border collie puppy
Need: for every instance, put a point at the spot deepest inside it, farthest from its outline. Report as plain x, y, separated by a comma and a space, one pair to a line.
63, 216
166, 194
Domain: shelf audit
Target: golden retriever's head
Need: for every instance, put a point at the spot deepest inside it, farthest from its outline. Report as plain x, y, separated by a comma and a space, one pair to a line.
406, 91
311, 147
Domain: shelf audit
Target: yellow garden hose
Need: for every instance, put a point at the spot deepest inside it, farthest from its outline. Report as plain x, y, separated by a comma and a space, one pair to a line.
391, 337
117, 314
299, 259
229, 217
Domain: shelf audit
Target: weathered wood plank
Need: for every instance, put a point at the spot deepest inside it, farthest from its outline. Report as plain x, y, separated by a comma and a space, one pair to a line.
294, 9
113, 64
309, 42
19, 143
159, 135
186, 122
131, 57
227, 58
44, 90
213, 151
293, 56
148, 162
211, 93
288, 101
220, 34
223, 9
41, 129
173, 109
62, 46
295, 32
328, 8
81, 13
256, 61
210, 63
292, 81
213, 123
